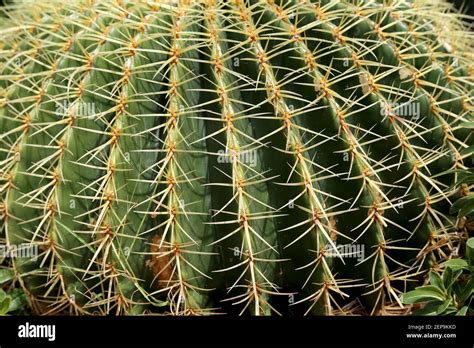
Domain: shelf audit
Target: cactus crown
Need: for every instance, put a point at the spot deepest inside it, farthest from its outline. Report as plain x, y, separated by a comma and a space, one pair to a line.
246, 156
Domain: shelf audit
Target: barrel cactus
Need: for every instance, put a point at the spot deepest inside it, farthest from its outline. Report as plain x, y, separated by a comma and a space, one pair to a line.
244, 157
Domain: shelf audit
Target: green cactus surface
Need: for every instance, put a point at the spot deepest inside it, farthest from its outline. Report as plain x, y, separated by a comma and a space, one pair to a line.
256, 157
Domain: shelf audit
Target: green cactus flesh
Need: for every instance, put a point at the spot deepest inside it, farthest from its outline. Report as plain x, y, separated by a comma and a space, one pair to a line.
246, 156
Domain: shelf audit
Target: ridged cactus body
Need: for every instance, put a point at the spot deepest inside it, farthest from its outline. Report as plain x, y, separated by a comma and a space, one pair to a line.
248, 157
